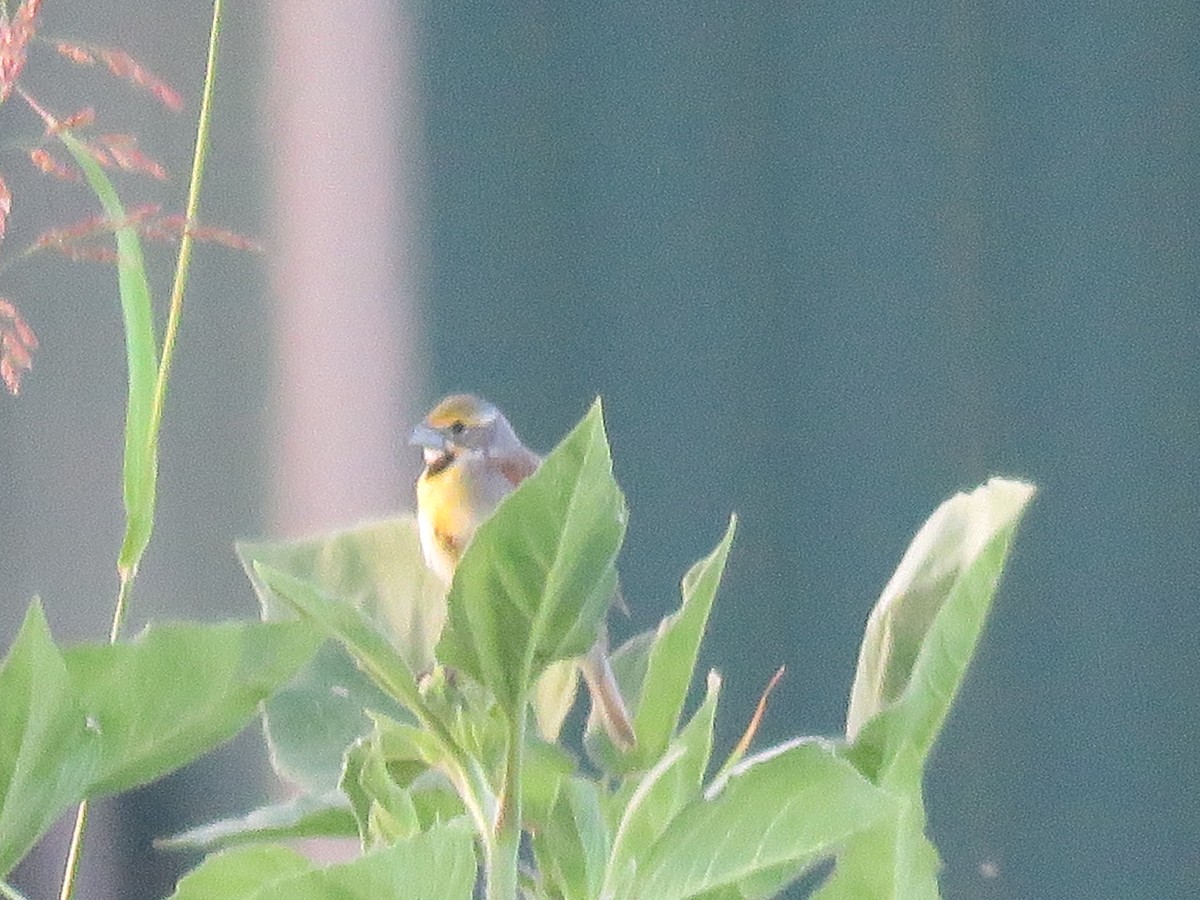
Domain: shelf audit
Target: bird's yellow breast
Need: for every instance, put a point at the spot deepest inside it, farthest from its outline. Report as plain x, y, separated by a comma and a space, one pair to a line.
450, 506
446, 519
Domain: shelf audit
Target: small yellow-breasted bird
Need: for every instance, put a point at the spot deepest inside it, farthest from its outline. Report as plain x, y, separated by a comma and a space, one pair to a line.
473, 459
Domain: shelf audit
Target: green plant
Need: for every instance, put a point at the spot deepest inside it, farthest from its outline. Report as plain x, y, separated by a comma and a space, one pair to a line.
431, 729
437, 735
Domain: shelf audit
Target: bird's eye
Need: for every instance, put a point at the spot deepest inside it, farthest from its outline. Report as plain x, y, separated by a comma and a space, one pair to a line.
457, 427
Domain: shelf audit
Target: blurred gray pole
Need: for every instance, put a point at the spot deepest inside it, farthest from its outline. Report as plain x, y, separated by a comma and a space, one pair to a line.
342, 131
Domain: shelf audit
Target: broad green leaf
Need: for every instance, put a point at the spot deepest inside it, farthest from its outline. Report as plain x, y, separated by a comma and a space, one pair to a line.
141, 351
375, 656
176, 691
673, 656
653, 800
584, 801
376, 568
922, 633
539, 574
892, 861
243, 872
438, 865
314, 718
47, 752
793, 804
572, 850
306, 816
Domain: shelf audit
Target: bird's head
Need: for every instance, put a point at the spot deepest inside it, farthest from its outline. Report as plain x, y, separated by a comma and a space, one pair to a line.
460, 424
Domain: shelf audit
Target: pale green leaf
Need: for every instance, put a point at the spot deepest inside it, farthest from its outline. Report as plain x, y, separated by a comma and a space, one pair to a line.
377, 568
572, 850
306, 816
141, 351
318, 714
370, 649
672, 659
539, 574
650, 802
47, 753
409, 749
435, 865
553, 696
177, 691
384, 809
242, 872
922, 633
793, 804
892, 861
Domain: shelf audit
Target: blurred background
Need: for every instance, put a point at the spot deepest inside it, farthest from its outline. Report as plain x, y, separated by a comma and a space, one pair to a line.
826, 262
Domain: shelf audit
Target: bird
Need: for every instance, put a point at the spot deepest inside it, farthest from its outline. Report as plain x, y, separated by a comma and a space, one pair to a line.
473, 460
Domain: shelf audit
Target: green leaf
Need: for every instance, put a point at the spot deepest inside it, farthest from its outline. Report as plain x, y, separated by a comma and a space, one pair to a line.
547, 767
652, 801
306, 816
414, 749
141, 351
791, 805
922, 633
243, 872
384, 810
377, 568
438, 864
374, 655
177, 691
314, 718
572, 851
892, 861
673, 656
539, 574
47, 753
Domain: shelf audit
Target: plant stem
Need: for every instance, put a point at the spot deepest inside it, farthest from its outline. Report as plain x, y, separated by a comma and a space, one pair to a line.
114, 630
185, 242
505, 850
75, 849
127, 573
74, 852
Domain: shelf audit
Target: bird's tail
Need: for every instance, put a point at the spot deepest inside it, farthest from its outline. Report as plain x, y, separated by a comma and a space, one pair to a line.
607, 702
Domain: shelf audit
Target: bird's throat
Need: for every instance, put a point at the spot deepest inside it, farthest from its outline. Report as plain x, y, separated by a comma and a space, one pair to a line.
437, 461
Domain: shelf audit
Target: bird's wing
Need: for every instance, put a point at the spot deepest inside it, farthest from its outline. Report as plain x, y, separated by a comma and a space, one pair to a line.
516, 467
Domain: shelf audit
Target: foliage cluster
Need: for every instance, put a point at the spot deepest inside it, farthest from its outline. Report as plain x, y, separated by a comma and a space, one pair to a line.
430, 727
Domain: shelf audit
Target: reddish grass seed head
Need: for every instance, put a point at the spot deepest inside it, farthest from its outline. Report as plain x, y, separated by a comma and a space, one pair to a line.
47, 164
122, 65
5, 206
17, 344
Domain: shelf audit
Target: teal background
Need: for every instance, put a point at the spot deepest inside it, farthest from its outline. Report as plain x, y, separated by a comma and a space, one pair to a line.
826, 263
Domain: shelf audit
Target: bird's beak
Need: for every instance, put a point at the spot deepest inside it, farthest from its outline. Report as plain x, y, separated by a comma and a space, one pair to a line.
430, 438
